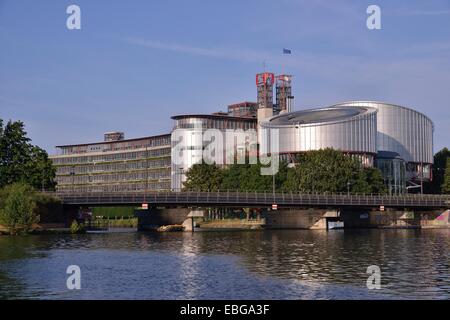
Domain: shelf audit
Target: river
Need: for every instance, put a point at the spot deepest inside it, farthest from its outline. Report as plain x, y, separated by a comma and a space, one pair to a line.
283, 264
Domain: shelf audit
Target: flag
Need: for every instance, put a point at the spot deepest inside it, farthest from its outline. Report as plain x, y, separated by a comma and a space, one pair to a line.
286, 51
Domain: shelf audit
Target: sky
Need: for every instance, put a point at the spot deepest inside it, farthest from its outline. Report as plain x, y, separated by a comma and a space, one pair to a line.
134, 64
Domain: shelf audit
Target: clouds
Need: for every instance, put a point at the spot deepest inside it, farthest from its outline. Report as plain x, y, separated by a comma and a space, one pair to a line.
215, 52
218, 46
425, 12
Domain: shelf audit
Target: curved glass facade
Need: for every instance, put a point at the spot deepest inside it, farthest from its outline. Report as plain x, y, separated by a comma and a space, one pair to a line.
190, 139
402, 130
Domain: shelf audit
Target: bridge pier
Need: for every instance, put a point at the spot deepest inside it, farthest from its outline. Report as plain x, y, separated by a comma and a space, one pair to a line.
153, 218
310, 218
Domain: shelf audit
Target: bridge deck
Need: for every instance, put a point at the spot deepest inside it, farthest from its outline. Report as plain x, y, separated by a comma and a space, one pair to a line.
253, 199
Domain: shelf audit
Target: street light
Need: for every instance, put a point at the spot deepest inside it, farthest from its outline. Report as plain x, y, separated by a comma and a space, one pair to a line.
348, 188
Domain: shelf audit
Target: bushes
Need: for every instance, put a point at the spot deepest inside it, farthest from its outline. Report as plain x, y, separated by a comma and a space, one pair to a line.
17, 208
76, 227
21, 206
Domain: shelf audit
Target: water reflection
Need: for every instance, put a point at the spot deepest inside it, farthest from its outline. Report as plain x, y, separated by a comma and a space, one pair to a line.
230, 265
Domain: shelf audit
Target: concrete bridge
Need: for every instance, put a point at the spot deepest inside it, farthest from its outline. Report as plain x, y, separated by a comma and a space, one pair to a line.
253, 199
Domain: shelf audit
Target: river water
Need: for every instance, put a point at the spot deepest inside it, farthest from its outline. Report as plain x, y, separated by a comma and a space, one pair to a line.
283, 264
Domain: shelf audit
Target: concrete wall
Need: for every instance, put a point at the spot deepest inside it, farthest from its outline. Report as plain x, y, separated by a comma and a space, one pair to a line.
311, 218
356, 218
435, 219
391, 218
394, 218
298, 218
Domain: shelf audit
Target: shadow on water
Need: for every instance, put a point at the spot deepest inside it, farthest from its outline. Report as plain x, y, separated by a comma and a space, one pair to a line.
230, 265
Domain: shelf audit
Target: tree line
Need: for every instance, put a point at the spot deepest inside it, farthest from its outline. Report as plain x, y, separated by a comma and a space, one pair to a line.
318, 171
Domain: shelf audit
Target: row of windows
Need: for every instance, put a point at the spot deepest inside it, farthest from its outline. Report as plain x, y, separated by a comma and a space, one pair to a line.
221, 124
115, 177
129, 187
113, 157
119, 145
112, 167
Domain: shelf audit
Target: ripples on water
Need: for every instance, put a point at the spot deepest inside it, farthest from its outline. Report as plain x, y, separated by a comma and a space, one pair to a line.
285, 264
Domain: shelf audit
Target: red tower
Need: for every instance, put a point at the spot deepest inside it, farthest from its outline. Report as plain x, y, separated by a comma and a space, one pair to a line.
264, 85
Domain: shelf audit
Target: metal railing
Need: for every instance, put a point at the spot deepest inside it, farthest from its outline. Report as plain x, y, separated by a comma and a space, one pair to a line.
251, 198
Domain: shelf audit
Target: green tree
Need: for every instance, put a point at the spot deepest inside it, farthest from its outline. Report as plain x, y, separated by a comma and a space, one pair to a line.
17, 211
446, 183
41, 172
322, 171
20, 161
330, 170
248, 177
439, 172
369, 180
203, 177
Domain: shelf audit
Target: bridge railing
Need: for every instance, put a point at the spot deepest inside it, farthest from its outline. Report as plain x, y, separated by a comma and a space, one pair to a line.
247, 197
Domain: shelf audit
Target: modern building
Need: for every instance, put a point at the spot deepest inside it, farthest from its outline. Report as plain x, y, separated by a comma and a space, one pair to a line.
396, 139
114, 165
351, 130
243, 109
406, 132
193, 133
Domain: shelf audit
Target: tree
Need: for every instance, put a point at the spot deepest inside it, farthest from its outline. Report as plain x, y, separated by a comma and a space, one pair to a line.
369, 180
322, 171
20, 161
439, 171
332, 171
17, 211
41, 172
203, 177
446, 183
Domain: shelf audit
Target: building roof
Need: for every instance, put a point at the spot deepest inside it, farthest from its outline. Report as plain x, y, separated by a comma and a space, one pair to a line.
242, 103
111, 142
322, 115
212, 116
368, 102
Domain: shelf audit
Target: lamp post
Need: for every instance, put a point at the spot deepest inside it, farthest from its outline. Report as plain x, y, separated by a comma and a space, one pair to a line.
348, 188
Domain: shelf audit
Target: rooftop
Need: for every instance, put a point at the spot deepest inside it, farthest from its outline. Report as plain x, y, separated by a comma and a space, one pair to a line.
323, 115
112, 142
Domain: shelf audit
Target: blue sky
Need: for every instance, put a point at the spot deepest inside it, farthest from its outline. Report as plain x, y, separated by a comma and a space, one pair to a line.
136, 63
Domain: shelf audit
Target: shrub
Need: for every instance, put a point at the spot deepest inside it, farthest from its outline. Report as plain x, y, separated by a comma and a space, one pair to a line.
17, 208
76, 227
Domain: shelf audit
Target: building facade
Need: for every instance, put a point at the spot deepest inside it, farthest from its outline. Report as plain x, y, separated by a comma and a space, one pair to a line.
396, 139
114, 165
192, 135
350, 130
406, 135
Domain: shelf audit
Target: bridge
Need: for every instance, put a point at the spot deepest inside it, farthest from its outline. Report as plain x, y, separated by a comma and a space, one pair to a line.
252, 199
